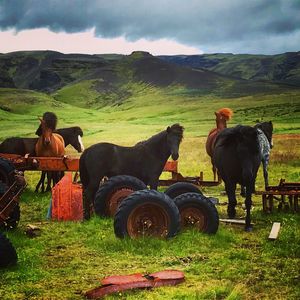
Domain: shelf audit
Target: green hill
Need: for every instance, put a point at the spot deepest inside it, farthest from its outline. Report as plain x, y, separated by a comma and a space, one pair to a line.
99, 80
281, 68
107, 93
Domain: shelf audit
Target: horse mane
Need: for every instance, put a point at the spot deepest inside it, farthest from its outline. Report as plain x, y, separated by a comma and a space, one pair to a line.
227, 113
51, 119
78, 130
266, 128
177, 129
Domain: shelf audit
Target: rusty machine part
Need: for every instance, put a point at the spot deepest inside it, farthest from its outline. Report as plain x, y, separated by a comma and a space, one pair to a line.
42, 163
172, 167
116, 284
147, 213
10, 199
197, 211
286, 193
72, 164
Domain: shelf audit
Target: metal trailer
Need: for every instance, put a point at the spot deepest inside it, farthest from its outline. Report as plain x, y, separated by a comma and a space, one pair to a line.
287, 195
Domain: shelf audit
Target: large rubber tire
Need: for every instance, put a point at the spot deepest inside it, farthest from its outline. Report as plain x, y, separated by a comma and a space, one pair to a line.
111, 193
8, 254
180, 188
14, 218
197, 211
147, 213
7, 171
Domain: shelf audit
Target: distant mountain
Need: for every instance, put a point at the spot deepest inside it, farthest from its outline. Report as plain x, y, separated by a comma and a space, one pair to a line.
109, 78
281, 68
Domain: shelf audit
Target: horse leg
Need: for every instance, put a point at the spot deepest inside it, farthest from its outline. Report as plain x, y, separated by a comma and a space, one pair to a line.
49, 179
153, 183
230, 190
248, 203
214, 169
265, 163
88, 198
41, 182
243, 191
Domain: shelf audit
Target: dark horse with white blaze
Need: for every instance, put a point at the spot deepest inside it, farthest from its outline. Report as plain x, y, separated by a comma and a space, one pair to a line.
237, 157
145, 160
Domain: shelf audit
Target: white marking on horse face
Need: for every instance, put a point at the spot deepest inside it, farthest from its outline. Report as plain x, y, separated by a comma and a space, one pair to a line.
80, 142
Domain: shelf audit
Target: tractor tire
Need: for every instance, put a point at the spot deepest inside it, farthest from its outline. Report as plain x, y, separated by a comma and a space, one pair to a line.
14, 218
180, 188
113, 191
7, 171
8, 254
197, 211
147, 213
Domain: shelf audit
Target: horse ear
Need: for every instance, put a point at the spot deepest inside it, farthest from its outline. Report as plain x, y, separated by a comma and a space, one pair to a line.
41, 120
168, 129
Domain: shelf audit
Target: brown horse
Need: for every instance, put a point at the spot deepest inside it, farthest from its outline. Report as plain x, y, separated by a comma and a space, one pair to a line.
49, 144
222, 116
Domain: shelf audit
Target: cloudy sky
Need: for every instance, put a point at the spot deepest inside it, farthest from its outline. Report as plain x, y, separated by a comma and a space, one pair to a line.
157, 26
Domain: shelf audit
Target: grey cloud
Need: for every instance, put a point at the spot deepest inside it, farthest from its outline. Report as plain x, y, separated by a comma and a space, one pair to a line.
223, 25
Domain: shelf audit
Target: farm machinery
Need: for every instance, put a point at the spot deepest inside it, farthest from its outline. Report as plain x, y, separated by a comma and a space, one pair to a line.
145, 212
12, 183
151, 209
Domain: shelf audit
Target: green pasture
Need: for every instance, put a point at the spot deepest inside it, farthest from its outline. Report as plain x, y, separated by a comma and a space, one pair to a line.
68, 258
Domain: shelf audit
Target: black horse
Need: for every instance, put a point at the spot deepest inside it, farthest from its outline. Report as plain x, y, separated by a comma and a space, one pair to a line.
237, 157
145, 160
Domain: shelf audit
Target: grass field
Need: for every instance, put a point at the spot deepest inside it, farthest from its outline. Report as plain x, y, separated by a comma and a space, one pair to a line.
68, 258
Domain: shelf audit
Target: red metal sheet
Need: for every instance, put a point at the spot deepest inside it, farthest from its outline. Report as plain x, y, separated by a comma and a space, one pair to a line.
119, 283
67, 200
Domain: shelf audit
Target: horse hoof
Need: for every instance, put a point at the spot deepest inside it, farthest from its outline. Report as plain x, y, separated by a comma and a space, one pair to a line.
249, 228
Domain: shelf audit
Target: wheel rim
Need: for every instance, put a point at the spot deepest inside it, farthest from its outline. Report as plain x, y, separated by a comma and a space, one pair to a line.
115, 198
148, 219
193, 217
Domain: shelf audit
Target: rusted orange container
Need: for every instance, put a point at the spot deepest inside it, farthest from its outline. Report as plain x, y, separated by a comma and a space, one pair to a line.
67, 200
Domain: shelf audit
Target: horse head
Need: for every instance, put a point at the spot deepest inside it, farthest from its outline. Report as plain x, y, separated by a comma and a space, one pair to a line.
75, 139
222, 116
46, 133
267, 129
174, 138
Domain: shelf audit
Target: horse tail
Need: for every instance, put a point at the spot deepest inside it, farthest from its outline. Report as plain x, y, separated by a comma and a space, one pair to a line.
84, 175
227, 113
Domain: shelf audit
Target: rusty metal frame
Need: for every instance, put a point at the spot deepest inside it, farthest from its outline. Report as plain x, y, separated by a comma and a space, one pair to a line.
286, 193
10, 199
72, 164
